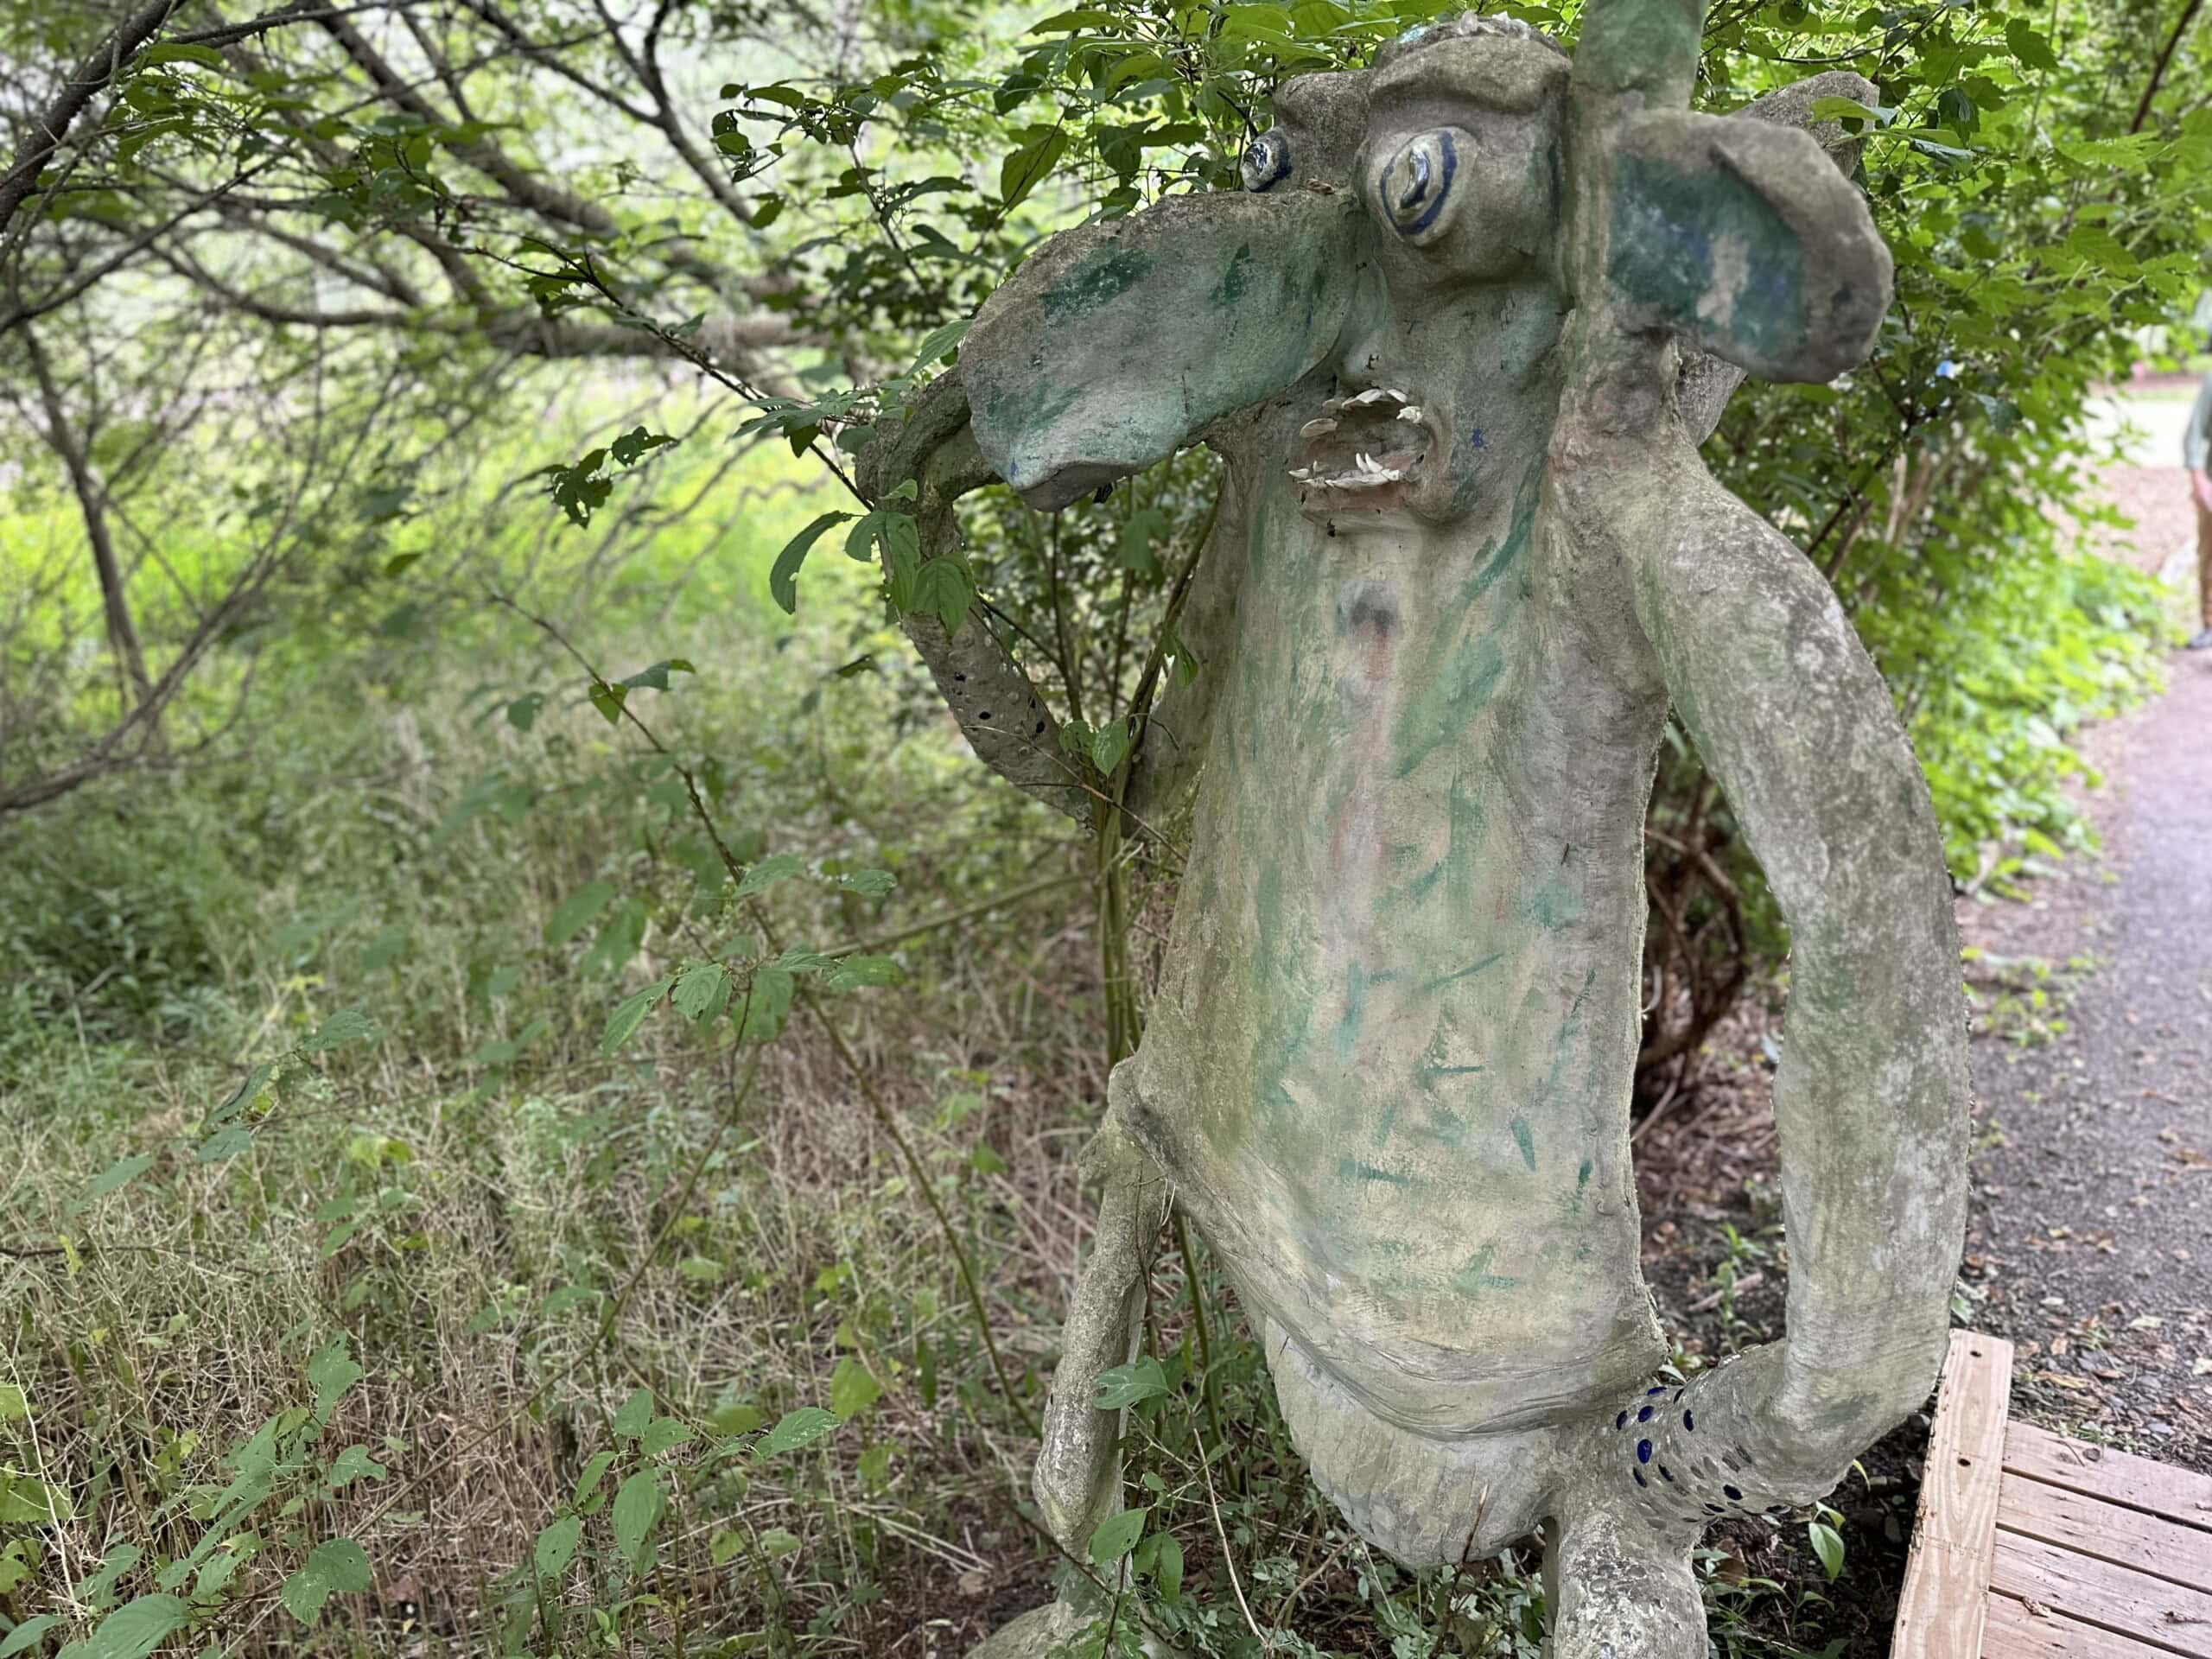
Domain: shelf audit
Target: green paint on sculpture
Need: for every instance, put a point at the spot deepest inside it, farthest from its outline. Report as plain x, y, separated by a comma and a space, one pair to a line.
1705, 247
1525, 1138
1474, 1275
1098, 280
1238, 278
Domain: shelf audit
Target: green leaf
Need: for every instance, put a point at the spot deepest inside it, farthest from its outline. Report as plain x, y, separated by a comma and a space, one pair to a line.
1025, 168
798, 1429
26, 1501
1828, 1544
346, 1026
782, 576
852, 973
335, 1566
779, 867
870, 884
1167, 1568
118, 1174
223, 1145
556, 1546
15, 1404
1117, 1535
702, 990
595, 1472
725, 1547
522, 713
944, 588
636, 1411
2028, 44
352, 1464
662, 1434
608, 700
853, 1388
330, 1373
654, 677
1140, 1380
1110, 746
638, 1506
136, 1629
769, 1004
936, 344
28, 1635
777, 1542
629, 1013
172, 52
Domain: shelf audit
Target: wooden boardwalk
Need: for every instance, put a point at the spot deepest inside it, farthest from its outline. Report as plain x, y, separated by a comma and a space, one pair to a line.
2031, 1546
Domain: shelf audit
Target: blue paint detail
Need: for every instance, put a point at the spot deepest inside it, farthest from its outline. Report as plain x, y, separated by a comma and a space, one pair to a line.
1665, 1474
1734, 1497
1713, 1509
1649, 1392
1687, 1423
1643, 1450
1644, 1415
1640, 1480
1442, 189
1475, 441
1621, 1421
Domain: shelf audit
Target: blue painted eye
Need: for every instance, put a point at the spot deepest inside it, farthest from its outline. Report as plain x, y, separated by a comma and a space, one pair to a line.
1689, 1423
1265, 162
1621, 1421
1418, 182
1643, 1416
1734, 1497
1643, 1450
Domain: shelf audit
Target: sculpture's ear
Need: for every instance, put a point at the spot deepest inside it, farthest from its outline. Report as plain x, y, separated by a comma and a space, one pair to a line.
1742, 237
1117, 342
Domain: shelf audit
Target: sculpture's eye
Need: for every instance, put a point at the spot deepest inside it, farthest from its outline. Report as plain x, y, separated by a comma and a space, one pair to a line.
1417, 184
1266, 162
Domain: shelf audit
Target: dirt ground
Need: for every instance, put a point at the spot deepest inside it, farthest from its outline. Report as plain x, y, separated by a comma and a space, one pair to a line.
2091, 1242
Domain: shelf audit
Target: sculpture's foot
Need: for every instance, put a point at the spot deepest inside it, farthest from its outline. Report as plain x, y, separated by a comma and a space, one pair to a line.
2202, 640
1032, 1636
1619, 1590
1428, 1503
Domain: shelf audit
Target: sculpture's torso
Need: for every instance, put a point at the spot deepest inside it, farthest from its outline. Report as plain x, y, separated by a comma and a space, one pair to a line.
1389, 1063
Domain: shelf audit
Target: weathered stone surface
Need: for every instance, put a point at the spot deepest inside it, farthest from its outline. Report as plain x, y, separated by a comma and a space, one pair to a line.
1466, 560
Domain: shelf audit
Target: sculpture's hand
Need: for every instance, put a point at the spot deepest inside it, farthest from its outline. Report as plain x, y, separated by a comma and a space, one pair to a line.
1793, 720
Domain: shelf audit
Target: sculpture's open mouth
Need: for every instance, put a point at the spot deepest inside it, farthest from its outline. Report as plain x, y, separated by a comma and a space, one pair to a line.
1362, 456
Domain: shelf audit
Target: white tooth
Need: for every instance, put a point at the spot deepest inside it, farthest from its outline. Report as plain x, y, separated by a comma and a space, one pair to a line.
1375, 395
1366, 463
1402, 397
1410, 412
1301, 473
1319, 428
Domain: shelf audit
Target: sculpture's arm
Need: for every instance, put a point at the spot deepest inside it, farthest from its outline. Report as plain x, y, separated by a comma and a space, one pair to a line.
1792, 718
999, 710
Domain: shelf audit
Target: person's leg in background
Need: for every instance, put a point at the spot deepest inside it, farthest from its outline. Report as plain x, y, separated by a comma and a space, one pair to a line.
2201, 488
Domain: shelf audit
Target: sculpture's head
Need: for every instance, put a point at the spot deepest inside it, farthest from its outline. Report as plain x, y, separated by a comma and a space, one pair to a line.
1417, 232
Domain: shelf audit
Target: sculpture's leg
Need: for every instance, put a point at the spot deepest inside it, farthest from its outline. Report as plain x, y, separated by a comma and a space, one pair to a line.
1619, 1589
1078, 1478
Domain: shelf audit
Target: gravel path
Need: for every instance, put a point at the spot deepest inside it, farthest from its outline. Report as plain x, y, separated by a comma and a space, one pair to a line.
2091, 1242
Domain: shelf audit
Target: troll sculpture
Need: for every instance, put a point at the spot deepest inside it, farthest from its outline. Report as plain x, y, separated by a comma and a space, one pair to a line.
1458, 342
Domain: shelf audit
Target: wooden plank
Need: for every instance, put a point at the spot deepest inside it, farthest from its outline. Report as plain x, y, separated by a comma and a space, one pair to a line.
2012, 1632
2169, 1616
2089, 1526
1947, 1577
2098, 1472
